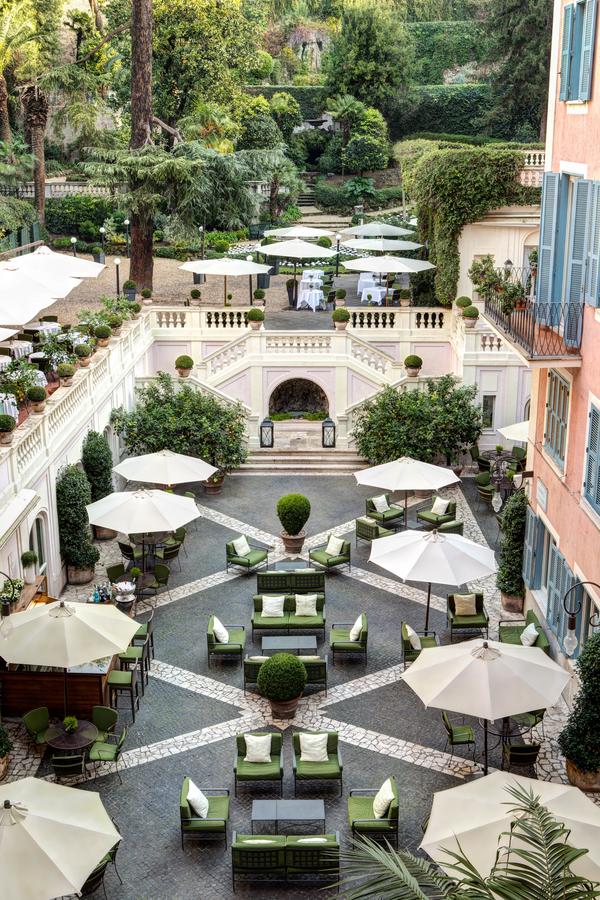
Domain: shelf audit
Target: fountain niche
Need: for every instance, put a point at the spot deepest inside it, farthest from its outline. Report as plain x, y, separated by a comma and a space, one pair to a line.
297, 396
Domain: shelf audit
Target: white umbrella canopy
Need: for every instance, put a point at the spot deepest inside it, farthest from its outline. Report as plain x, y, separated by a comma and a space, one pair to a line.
297, 249
142, 512
299, 231
519, 432
165, 467
227, 267
6, 333
51, 838
383, 264
475, 814
44, 262
377, 229
22, 296
406, 474
380, 245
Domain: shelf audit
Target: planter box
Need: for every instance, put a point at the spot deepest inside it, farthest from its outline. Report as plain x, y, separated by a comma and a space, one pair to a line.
263, 281
79, 576
512, 603
585, 781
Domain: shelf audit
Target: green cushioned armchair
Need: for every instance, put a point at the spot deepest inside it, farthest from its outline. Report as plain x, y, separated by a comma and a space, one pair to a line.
313, 861
289, 622
316, 670
369, 531
256, 862
332, 770
363, 821
482, 464
391, 516
214, 826
453, 527
434, 519
234, 646
509, 631
256, 557
321, 557
271, 771
520, 457
339, 639
428, 639
478, 622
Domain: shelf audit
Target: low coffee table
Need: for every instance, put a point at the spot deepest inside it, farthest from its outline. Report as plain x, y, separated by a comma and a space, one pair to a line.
277, 811
289, 643
290, 565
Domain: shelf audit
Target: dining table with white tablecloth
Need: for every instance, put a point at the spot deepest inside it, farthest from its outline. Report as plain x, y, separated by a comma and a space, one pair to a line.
307, 274
5, 361
310, 298
8, 405
310, 284
376, 293
42, 328
365, 280
18, 349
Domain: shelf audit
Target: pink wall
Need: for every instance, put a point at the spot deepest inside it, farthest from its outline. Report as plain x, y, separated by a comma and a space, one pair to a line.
437, 358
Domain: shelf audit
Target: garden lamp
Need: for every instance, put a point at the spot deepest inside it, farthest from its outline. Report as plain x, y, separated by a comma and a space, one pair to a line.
571, 641
126, 224
202, 231
117, 264
266, 433
74, 245
102, 231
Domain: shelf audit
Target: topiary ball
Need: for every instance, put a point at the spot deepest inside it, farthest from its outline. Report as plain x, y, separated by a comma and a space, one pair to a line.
282, 677
293, 511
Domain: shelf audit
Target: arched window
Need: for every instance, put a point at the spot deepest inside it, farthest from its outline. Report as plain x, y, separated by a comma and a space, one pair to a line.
37, 542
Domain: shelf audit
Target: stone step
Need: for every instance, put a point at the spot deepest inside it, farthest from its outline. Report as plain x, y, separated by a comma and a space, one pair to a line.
308, 462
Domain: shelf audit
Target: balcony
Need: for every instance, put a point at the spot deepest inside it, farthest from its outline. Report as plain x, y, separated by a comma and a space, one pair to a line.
539, 332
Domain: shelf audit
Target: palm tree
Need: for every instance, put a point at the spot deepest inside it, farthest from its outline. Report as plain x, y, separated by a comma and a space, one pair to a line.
16, 30
346, 110
210, 124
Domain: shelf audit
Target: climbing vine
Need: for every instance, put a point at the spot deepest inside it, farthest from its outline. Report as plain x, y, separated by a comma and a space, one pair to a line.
452, 187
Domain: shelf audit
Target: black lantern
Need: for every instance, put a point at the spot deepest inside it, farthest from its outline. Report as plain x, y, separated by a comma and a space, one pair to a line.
328, 432
266, 433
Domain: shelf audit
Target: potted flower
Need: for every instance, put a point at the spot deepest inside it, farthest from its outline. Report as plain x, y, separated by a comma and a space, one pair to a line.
83, 352
129, 289
7, 426
499, 448
533, 262
293, 511
470, 315
341, 317
65, 372
135, 310
102, 334
255, 318
214, 484
229, 299
36, 395
98, 255
28, 561
509, 579
184, 365
259, 297
462, 303
146, 296
290, 286
413, 365
281, 680
340, 297
405, 297
115, 322
579, 738
70, 724
135, 572
195, 296
6, 746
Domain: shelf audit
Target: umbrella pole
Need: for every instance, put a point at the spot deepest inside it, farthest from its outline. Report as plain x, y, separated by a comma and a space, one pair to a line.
427, 607
295, 286
225, 290
485, 746
66, 693
406, 509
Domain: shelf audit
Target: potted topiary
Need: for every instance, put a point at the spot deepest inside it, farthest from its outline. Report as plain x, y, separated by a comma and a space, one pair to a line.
229, 299
413, 365
70, 724
98, 255
184, 365
97, 462
73, 495
195, 296
324, 242
129, 289
509, 578
115, 322
135, 310
340, 297
7, 426
28, 561
259, 297
579, 738
462, 303
6, 745
65, 372
293, 511
37, 397
146, 296
341, 317
102, 334
83, 352
281, 680
470, 315
290, 286
214, 484
255, 318
405, 296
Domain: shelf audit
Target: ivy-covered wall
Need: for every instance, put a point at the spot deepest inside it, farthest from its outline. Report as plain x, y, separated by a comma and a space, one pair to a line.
14, 214
449, 108
311, 97
443, 45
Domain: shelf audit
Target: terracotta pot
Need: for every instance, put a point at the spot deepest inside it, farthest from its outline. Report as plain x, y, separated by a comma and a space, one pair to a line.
103, 342
512, 603
65, 382
339, 302
255, 326
4, 760
586, 781
412, 372
79, 576
284, 709
214, 486
103, 534
293, 542
183, 373
84, 361
39, 407
6, 437
341, 326
116, 331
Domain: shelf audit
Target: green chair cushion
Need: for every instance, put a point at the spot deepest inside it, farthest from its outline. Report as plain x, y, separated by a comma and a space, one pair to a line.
118, 677
218, 808
260, 621
251, 559
307, 621
362, 808
102, 752
237, 636
387, 516
339, 637
462, 734
434, 518
475, 621
329, 769
275, 840
258, 771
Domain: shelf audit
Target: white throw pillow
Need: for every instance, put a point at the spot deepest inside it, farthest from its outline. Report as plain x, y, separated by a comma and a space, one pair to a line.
413, 638
367, 520
313, 748
306, 604
220, 632
259, 841
310, 659
314, 840
356, 629
440, 506
258, 748
529, 635
197, 801
465, 604
381, 504
255, 659
241, 546
334, 545
272, 607
382, 799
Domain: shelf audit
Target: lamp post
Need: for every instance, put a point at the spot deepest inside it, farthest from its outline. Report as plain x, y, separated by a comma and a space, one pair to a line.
202, 231
328, 433
74, 245
338, 238
117, 264
5, 623
126, 224
571, 641
249, 259
102, 231
266, 433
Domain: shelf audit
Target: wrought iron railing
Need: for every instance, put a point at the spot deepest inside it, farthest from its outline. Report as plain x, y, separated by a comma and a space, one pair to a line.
540, 329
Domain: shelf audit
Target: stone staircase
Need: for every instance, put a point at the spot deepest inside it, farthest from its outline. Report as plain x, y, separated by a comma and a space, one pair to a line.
301, 462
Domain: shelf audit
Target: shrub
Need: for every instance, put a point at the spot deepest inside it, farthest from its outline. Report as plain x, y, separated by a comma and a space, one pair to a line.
36, 394
61, 243
88, 231
102, 332
96, 251
82, 351
195, 294
463, 302
293, 511
256, 315
135, 571
115, 321
221, 246
64, 215
282, 677
449, 108
6, 745
129, 285
340, 294
413, 362
579, 738
509, 578
471, 312
134, 308
72, 496
364, 153
311, 97
324, 242
259, 294
184, 362
146, 293
28, 558
97, 461
158, 235
341, 314
65, 370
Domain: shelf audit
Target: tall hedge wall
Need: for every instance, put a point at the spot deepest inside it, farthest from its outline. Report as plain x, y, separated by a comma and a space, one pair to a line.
449, 108
311, 97
443, 45
14, 214
65, 214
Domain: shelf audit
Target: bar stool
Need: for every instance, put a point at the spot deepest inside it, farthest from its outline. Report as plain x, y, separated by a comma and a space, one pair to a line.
146, 630
122, 682
137, 658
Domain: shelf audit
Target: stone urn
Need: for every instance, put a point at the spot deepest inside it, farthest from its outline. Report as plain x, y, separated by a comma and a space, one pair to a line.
255, 326
412, 371
341, 326
79, 576
512, 603
84, 361
6, 437
214, 484
293, 543
38, 407
284, 709
103, 342
585, 781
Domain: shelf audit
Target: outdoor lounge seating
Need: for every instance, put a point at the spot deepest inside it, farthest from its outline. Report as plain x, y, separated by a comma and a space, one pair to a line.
453, 527
299, 581
255, 557
104, 718
510, 631
68, 766
482, 464
485, 489
520, 457
426, 638
289, 621
36, 723
530, 720
316, 670
520, 756
362, 819
285, 858
477, 622
367, 529
391, 516
115, 572
234, 647
108, 751
328, 770
330, 561
434, 520
251, 772
458, 735
95, 879
214, 825
339, 639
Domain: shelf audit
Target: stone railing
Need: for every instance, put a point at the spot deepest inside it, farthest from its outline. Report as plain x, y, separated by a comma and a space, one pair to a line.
227, 356
298, 342
369, 356
398, 319
532, 173
197, 319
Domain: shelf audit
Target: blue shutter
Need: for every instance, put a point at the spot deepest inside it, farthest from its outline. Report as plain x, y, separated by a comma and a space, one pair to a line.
555, 567
591, 290
591, 484
583, 191
587, 51
551, 251
529, 547
565, 63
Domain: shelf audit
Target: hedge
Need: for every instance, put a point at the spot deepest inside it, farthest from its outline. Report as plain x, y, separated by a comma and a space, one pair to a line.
311, 97
443, 45
14, 214
334, 197
64, 215
448, 108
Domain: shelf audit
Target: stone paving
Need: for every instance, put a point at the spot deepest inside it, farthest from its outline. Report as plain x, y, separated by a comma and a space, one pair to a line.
190, 713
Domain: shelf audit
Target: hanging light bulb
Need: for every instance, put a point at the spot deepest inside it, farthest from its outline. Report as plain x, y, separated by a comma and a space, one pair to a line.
497, 501
570, 643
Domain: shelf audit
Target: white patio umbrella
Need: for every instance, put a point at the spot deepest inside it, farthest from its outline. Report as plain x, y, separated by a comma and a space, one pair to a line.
380, 245
486, 679
6, 333
386, 264
44, 262
376, 229
227, 267
475, 814
298, 231
22, 296
433, 556
406, 474
51, 838
297, 249
165, 467
519, 432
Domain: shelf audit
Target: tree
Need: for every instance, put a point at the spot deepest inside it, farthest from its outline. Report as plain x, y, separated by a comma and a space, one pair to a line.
579, 738
72, 497
347, 111
284, 185
456, 417
16, 31
370, 57
211, 124
97, 461
142, 263
364, 152
509, 578
285, 110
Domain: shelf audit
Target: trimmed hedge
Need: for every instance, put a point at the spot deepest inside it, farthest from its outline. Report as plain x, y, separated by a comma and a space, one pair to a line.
15, 214
444, 45
449, 108
311, 97
334, 197
65, 215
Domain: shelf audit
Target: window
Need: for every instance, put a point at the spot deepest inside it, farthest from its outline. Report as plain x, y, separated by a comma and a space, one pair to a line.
591, 484
36, 543
547, 543
577, 53
488, 410
557, 417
